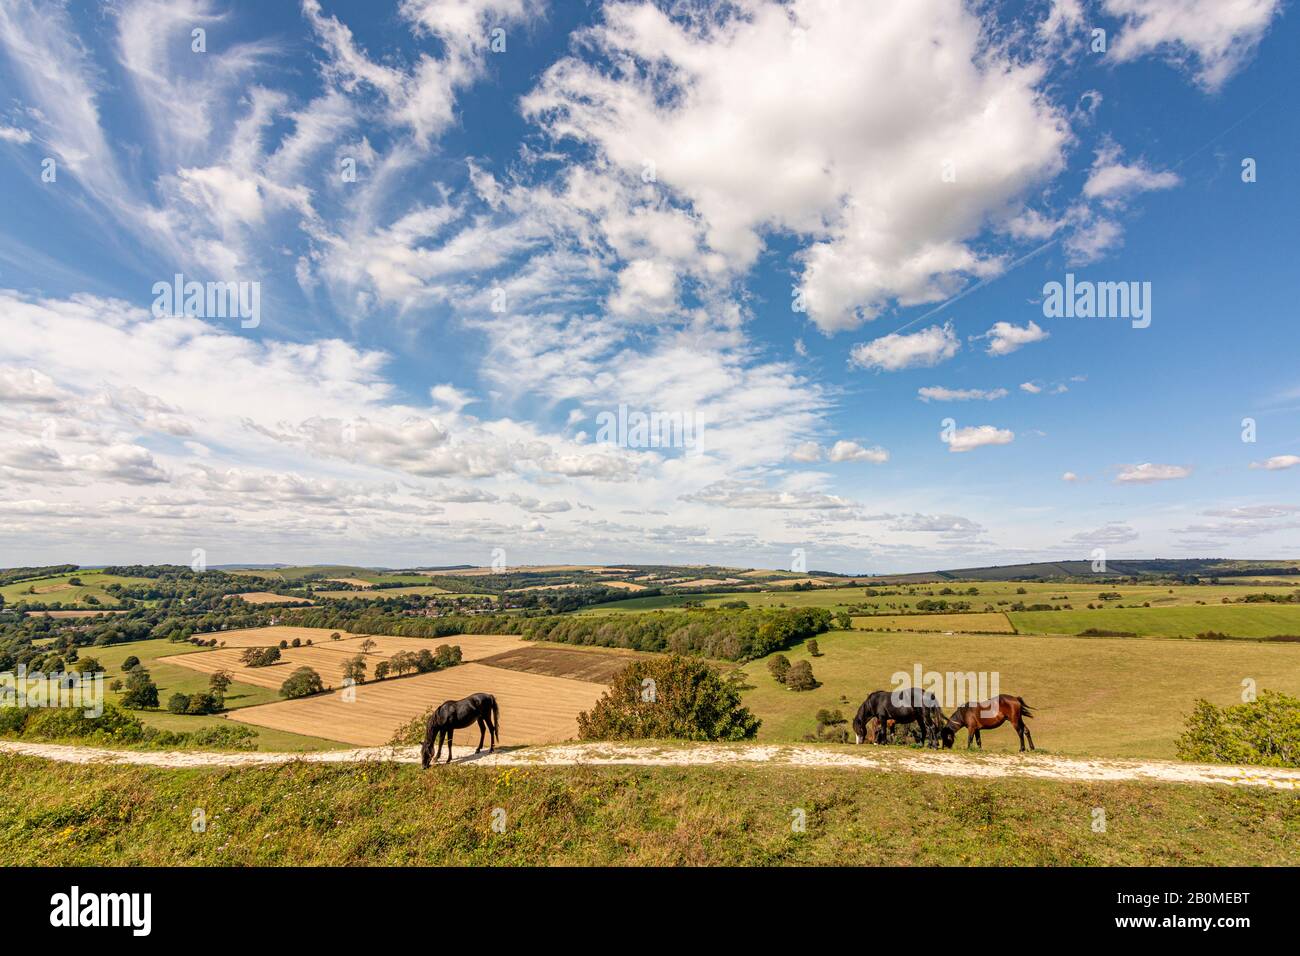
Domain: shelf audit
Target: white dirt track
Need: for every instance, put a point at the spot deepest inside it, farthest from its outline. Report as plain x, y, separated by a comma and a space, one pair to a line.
1032, 765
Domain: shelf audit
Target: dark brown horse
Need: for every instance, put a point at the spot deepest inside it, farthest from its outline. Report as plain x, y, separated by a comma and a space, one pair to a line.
904, 705
455, 714
988, 715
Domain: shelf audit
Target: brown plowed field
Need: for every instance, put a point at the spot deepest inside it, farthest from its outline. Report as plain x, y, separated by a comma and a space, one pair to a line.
589, 664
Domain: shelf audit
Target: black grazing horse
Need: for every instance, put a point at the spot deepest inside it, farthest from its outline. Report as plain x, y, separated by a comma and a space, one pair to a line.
904, 706
455, 714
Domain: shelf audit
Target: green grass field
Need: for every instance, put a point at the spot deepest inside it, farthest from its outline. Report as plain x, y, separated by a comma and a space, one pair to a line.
172, 679
993, 595
390, 814
56, 588
1239, 620
977, 623
297, 574
1117, 697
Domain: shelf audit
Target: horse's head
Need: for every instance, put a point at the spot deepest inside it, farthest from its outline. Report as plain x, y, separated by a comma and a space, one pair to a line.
947, 735
859, 728
426, 754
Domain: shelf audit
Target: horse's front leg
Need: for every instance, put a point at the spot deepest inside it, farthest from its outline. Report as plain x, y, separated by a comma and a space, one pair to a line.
970, 737
449, 738
438, 755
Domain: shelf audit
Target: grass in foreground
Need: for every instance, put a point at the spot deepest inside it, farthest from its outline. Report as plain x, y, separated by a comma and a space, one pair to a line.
65, 814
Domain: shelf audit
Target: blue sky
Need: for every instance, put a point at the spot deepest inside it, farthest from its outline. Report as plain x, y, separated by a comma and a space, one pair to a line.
821, 230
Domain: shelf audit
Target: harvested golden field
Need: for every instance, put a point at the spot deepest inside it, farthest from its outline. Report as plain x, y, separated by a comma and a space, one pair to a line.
266, 597
994, 622
358, 582
328, 658
598, 665
534, 708
328, 662
473, 647
270, 636
702, 583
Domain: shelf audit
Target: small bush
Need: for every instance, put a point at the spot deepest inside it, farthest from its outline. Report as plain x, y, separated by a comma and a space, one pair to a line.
778, 667
1264, 732
814, 648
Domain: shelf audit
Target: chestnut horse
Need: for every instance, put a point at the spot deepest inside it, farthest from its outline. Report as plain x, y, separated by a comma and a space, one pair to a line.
988, 715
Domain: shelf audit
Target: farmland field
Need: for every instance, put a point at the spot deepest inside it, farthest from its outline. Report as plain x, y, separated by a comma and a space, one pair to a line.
977, 623
328, 657
534, 708
589, 663
1239, 620
386, 592
1091, 696
174, 679
268, 597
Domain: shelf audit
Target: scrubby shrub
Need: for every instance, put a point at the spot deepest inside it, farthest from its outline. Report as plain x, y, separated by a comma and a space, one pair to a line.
1265, 731
301, 683
115, 726
669, 697
814, 648
197, 704
131, 663
800, 676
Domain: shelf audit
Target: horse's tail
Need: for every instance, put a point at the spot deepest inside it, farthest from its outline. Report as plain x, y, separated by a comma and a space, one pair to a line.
1024, 708
496, 717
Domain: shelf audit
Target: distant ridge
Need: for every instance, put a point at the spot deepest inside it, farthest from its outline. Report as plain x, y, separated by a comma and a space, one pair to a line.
1137, 567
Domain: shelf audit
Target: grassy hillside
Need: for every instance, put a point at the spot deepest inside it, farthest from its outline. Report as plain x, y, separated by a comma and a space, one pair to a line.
1113, 697
58, 588
388, 814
